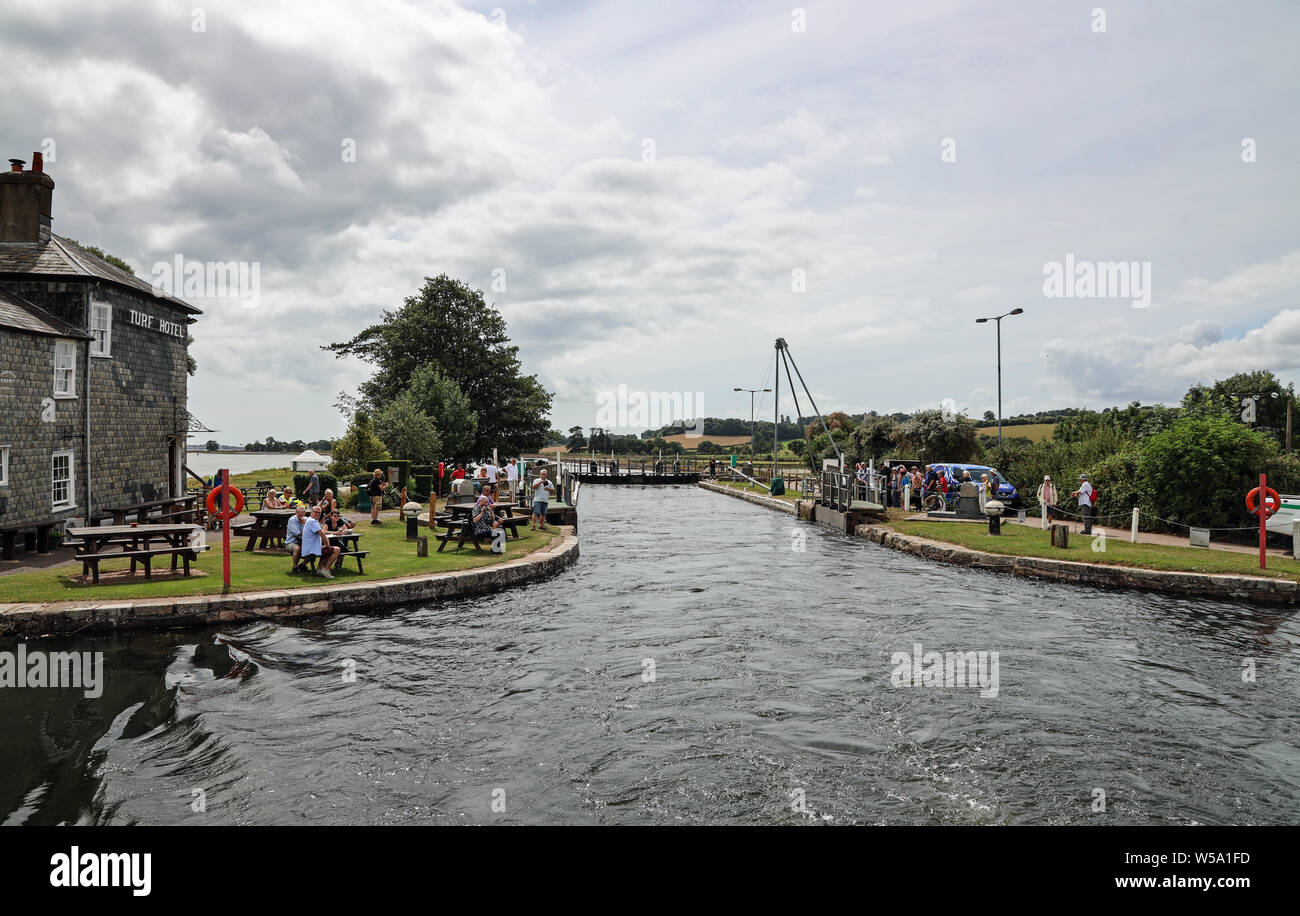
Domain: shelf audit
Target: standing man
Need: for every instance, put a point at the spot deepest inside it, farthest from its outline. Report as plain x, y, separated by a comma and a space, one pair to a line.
376, 487
713, 468
293, 536
542, 490
1084, 493
512, 479
1047, 497
313, 489
316, 544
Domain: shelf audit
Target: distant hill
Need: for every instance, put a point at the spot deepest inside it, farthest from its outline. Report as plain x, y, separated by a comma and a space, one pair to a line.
1035, 432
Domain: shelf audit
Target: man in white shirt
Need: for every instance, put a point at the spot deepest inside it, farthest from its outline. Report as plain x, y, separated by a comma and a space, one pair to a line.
512, 477
542, 491
1084, 493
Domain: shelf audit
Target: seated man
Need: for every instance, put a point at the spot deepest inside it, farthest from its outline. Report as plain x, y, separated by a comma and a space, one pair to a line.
293, 536
315, 544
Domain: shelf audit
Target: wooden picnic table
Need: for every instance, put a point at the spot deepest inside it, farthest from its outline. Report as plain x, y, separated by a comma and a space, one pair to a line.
269, 525
142, 510
136, 543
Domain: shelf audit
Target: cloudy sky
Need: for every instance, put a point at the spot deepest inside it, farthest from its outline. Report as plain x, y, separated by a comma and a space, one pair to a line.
660, 190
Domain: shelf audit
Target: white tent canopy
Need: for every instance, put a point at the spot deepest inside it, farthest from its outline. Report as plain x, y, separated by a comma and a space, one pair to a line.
310, 461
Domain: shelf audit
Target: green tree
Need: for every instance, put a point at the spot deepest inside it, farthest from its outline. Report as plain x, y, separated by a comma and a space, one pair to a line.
211, 445
358, 445
1198, 471
931, 436
1225, 397
407, 430
449, 325
873, 439
576, 442
441, 399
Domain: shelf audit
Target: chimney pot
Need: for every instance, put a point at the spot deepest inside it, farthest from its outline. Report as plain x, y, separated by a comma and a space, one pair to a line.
38, 162
15, 165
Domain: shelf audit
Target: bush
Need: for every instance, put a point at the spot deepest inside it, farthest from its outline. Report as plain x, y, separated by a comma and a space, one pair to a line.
1198, 471
1118, 487
327, 482
1284, 473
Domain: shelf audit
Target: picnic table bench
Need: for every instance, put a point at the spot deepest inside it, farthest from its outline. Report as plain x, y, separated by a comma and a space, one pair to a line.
143, 510
269, 527
182, 542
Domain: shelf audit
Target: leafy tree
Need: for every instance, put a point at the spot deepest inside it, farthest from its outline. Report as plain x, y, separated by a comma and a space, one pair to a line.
576, 442
990, 418
1224, 397
931, 437
408, 430
1198, 471
599, 440
212, 445
439, 397
358, 445
450, 325
873, 439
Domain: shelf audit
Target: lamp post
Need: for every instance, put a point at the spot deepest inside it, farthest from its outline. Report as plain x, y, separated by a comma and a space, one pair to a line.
753, 424
998, 319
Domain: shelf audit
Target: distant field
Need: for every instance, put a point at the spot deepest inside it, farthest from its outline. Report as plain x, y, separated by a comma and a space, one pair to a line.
1032, 431
692, 441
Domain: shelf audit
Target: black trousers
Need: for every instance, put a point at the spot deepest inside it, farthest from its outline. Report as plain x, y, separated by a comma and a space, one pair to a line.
1085, 513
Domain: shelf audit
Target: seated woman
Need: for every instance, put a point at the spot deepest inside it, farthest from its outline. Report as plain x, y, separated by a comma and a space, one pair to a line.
272, 500
328, 504
337, 522
484, 515
290, 500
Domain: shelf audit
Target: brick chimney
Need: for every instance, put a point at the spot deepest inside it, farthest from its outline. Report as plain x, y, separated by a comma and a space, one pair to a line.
25, 199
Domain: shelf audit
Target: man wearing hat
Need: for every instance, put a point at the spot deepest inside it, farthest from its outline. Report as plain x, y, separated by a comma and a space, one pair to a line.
1047, 500
1084, 493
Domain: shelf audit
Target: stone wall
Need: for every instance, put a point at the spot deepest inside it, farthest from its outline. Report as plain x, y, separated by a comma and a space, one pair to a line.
26, 397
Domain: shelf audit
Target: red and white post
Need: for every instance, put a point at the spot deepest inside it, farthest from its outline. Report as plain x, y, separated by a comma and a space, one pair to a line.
1263, 517
226, 515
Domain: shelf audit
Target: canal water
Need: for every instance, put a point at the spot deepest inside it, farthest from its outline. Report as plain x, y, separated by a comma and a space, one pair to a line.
693, 667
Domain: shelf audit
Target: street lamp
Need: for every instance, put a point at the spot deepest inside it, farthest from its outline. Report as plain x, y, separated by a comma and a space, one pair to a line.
998, 319
753, 426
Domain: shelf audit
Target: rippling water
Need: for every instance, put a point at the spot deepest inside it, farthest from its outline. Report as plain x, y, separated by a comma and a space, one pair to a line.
771, 700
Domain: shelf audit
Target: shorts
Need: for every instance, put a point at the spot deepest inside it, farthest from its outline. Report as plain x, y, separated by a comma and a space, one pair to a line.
539, 507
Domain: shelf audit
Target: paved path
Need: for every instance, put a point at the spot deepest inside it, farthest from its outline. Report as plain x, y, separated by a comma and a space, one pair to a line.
1147, 537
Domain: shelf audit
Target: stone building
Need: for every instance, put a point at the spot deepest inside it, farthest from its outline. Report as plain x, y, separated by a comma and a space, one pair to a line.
93, 373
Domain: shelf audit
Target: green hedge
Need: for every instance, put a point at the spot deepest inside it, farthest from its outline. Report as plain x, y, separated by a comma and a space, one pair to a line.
403, 470
327, 482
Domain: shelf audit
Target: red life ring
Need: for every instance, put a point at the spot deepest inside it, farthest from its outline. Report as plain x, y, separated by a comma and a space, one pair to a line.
236, 495
1272, 502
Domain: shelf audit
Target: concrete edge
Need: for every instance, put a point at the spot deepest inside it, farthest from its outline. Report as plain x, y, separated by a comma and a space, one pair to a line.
1202, 585
31, 620
769, 502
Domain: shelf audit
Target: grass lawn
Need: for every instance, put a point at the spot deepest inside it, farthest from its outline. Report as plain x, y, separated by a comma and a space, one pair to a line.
391, 555
1032, 431
1018, 540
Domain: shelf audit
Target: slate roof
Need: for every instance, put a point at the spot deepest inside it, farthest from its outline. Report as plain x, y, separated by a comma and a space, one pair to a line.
60, 257
21, 315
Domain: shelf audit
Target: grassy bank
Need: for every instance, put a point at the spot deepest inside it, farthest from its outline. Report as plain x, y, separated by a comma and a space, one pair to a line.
1017, 540
391, 555
790, 495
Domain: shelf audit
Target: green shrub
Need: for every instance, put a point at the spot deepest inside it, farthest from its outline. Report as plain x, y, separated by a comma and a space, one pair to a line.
1198, 470
327, 482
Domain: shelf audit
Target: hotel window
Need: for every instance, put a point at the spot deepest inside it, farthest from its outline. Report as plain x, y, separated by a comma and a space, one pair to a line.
65, 369
4, 465
61, 468
101, 325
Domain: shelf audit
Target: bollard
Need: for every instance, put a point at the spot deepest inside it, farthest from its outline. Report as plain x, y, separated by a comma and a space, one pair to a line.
1133, 532
422, 546
995, 524
1060, 535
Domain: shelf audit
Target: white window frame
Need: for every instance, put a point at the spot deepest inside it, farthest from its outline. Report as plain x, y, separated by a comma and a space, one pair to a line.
71, 501
68, 347
102, 347
4, 465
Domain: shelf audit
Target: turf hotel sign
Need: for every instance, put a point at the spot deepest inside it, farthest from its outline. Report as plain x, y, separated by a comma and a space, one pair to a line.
154, 323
